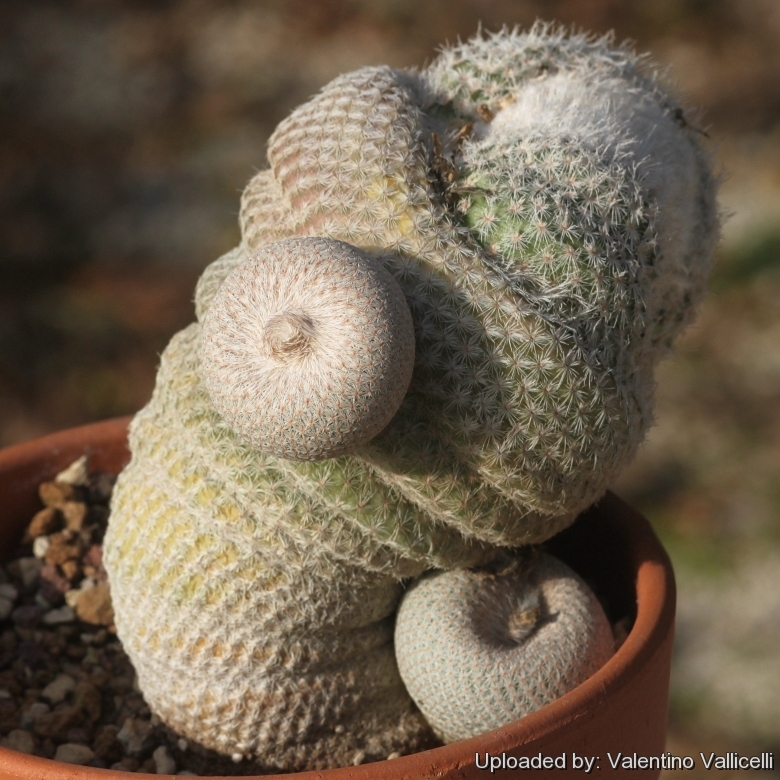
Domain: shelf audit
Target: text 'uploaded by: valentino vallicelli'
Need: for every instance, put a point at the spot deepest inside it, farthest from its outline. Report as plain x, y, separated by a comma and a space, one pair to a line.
587, 764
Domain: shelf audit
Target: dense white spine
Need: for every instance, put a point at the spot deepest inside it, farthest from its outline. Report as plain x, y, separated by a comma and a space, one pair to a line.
308, 349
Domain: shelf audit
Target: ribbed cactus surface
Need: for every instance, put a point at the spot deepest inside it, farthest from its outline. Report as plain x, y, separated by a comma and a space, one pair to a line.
549, 247
256, 619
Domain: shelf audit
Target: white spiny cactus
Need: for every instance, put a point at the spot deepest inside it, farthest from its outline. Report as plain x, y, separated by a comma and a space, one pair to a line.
308, 349
549, 217
478, 649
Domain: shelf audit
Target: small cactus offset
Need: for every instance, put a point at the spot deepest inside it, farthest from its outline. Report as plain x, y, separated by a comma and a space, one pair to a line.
479, 649
436, 341
285, 330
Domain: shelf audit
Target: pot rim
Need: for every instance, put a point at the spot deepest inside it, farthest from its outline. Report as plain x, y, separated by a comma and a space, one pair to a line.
655, 601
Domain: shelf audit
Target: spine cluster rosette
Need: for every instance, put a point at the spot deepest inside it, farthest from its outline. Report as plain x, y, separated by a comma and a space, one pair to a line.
549, 217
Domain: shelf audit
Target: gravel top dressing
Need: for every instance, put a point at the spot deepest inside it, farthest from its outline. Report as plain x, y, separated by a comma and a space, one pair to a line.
67, 690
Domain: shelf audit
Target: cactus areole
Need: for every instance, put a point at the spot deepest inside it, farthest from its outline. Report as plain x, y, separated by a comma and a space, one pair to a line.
433, 347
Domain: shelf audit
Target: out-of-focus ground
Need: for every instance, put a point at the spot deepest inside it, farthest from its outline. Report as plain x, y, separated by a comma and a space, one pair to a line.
129, 127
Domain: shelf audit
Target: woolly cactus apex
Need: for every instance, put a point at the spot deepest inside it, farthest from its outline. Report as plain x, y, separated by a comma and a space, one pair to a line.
307, 349
477, 650
591, 102
550, 245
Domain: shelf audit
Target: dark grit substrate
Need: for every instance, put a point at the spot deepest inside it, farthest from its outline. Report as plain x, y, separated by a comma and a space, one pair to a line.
67, 689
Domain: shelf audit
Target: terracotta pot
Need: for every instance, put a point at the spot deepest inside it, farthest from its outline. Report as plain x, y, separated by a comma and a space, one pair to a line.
621, 709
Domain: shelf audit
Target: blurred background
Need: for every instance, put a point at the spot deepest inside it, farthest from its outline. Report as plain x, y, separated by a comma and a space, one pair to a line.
129, 127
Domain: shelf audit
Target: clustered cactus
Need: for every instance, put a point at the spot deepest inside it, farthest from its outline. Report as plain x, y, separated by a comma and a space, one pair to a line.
544, 210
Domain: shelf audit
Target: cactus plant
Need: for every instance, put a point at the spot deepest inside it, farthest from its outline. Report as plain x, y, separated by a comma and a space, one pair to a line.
478, 649
549, 216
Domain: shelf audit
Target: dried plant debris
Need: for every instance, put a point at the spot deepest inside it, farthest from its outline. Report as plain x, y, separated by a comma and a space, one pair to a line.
67, 689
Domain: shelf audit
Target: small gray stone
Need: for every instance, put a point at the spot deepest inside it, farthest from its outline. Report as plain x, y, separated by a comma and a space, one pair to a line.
59, 688
20, 740
8, 591
36, 709
72, 753
56, 617
29, 570
135, 735
6, 607
92, 657
163, 761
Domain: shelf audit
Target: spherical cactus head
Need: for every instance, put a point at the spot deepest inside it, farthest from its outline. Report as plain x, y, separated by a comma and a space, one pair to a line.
308, 348
622, 171
477, 650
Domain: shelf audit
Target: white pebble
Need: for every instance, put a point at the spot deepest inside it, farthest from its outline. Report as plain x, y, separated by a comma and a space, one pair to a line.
163, 761
182, 744
237, 758
29, 570
41, 546
57, 617
72, 597
6, 607
8, 591
134, 734
58, 688
359, 758
20, 740
72, 753
76, 474
394, 754
87, 583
